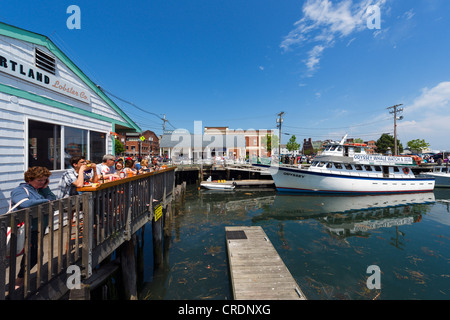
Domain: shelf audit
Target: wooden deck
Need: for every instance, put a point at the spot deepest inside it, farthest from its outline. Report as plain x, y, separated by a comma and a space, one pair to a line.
257, 271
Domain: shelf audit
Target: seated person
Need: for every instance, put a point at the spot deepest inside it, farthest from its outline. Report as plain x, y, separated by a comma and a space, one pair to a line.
107, 167
119, 168
129, 169
155, 166
74, 177
144, 166
35, 190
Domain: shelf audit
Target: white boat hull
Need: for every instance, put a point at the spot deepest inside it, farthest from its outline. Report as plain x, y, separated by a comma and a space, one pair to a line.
217, 186
442, 179
301, 180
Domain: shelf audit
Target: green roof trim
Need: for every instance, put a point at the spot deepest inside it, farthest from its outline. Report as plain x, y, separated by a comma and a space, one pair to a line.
41, 40
53, 103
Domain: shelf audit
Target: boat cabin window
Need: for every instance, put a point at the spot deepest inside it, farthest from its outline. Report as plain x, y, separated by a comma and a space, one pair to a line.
338, 165
314, 163
348, 166
396, 169
321, 164
368, 168
377, 168
358, 167
329, 165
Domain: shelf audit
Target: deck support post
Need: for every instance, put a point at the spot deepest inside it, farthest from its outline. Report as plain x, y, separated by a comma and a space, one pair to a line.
157, 234
128, 265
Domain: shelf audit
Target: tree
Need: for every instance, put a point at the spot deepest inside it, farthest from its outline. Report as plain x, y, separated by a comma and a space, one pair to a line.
118, 147
269, 142
418, 145
387, 141
292, 144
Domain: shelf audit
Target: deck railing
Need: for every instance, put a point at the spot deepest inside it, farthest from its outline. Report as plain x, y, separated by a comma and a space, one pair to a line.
80, 231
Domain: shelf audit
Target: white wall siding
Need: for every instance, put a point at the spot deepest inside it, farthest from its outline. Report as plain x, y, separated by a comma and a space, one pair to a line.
22, 51
16, 111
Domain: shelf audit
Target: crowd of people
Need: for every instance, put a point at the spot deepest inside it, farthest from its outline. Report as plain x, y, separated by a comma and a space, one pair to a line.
109, 169
35, 189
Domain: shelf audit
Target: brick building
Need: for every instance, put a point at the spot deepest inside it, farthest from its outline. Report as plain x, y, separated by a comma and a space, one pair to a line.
135, 146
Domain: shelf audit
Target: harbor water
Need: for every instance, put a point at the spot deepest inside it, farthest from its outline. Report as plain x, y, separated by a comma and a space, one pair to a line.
327, 242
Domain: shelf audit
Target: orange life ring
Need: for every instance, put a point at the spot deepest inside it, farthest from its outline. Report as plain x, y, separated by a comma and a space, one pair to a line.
406, 170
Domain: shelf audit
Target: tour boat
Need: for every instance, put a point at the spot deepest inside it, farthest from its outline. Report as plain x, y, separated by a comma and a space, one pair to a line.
346, 168
441, 174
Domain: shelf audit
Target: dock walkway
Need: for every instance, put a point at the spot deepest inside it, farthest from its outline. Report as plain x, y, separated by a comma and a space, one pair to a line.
257, 271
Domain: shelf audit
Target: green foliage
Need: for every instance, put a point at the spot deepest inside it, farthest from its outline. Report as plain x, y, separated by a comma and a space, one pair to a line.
292, 144
418, 145
118, 147
387, 141
269, 142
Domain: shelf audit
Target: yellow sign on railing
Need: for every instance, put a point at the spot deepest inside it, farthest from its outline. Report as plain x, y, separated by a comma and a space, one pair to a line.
158, 212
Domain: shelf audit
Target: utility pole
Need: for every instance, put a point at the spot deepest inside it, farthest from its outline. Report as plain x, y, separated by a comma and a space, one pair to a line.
279, 122
164, 122
394, 111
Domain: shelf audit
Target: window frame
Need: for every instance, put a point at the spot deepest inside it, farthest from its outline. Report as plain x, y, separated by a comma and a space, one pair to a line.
62, 134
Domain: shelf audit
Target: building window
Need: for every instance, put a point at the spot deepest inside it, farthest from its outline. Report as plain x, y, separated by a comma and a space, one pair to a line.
44, 145
97, 144
75, 144
47, 145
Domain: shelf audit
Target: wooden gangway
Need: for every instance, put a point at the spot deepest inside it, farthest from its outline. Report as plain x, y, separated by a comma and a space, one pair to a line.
81, 230
257, 272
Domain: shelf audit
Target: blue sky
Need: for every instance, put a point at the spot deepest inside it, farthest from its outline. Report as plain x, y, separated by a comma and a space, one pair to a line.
238, 63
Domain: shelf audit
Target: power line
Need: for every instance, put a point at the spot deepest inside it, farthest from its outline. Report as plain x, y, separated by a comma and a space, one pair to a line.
337, 128
137, 107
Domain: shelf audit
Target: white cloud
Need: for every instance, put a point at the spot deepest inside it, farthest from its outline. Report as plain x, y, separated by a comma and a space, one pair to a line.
314, 57
408, 15
433, 99
428, 117
324, 22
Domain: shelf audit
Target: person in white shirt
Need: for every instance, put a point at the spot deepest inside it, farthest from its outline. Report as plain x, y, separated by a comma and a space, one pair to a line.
107, 167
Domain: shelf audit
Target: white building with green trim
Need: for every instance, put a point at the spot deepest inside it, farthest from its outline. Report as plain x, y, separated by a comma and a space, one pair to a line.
49, 111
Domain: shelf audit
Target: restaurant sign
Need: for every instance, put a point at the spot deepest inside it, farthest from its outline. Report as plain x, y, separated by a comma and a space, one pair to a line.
30, 73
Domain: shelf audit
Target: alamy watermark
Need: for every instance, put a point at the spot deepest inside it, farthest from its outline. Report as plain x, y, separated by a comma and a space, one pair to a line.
374, 280
374, 17
74, 20
74, 279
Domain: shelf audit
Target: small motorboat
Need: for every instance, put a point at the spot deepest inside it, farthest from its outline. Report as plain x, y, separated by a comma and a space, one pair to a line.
218, 185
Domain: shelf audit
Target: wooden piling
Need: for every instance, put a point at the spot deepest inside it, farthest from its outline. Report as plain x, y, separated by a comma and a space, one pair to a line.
128, 265
157, 236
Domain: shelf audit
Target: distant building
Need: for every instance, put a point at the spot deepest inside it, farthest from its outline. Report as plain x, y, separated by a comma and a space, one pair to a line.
308, 147
284, 150
371, 147
215, 142
140, 144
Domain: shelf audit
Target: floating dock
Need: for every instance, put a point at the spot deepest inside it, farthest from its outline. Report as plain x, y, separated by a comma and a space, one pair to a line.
257, 272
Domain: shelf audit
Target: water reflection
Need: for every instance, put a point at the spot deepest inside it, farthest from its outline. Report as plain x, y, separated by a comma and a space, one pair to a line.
327, 242
346, 216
